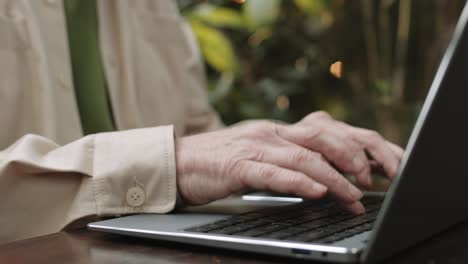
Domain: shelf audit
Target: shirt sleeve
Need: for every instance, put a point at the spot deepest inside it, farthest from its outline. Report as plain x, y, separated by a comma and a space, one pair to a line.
44, 186
200, 116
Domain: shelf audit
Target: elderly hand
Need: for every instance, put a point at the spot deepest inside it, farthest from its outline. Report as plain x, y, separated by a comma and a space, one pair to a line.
303, 159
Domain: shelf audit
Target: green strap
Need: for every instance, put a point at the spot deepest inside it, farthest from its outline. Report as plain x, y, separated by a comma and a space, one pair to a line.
88, 74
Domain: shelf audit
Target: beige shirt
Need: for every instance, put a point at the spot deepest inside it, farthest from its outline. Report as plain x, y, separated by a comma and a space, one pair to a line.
50, 175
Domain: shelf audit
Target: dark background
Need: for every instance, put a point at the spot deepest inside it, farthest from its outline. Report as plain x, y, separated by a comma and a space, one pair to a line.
271, 59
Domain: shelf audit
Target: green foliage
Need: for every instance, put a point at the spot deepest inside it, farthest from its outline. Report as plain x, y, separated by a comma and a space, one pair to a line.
271, 58
215, 47
316, 7
217, 16
260, 13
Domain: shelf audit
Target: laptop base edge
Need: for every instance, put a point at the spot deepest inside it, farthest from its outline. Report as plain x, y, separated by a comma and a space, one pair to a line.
259, 246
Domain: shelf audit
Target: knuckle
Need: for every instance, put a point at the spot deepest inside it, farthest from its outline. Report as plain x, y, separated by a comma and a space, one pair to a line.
263, 128
300, 156
267, 173
240, 171
359, 164
267, 124
317, 156
278, 128
258, 155
333, 178
235, 165
314, 135
293, 182
355, 157
338, 153
250, 150
341, 154
322, 115
230, 165
318, 115
374, 135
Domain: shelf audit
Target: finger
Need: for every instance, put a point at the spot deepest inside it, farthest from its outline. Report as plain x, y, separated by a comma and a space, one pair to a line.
377, 147
314, 117
362, 168
313, 165
264, 176
344, 153
355, 208
397, 150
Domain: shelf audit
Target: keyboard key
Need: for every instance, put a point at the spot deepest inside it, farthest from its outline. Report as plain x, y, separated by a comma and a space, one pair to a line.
276, 235
250, 233
257, 223
205, 228
270, 228
230, 230
310, 236
308, 221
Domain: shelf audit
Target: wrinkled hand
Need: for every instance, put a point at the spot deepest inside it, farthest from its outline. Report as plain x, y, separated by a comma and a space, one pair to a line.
303, 159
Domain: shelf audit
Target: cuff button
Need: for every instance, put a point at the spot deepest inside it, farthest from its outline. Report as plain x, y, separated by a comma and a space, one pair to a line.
136, 196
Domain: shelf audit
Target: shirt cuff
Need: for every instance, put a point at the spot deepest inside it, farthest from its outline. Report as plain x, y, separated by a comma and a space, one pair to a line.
134, 171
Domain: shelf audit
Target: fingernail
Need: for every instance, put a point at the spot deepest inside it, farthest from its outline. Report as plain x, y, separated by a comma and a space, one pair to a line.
358, 208
320, 188
355, 208
356, 194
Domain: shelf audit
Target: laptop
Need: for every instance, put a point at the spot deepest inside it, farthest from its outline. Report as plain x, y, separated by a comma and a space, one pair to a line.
428, 195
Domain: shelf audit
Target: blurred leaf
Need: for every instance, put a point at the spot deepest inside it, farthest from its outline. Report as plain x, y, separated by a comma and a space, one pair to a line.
286, 48
215, 47
217, 16
259, 35
313, 7
335, 107
259, 13
383, 86
321, 18
222, 87
384, 89
270, 88
252, 110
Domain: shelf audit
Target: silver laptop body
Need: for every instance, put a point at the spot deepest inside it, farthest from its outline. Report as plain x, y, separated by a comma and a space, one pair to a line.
429, 194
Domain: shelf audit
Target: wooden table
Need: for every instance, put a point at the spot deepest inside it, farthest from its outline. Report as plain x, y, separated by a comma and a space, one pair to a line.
83, 246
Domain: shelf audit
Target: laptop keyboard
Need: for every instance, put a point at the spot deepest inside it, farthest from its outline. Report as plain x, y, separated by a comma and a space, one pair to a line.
310, 221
